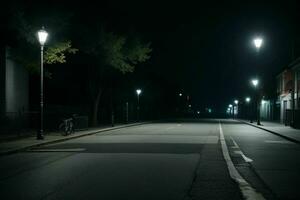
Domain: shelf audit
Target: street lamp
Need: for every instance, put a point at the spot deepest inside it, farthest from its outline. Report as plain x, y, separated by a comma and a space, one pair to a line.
236, 102
230, 106
180, 94
138, 92
42, 37
248, 99
255, 83
258, 42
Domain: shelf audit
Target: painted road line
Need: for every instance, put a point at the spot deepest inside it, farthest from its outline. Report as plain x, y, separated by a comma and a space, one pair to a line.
243, 156
247, 159
57, 150
249, 193
278, 142
172, 127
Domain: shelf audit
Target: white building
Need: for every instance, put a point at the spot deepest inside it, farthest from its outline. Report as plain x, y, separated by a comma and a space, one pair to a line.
288, 88
14, 86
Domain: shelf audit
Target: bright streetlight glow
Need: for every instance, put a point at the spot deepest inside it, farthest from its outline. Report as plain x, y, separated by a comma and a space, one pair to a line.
236, 101
258, 42
254, 82
198, 112
248, 99
138, 91
180, 94
42, 36
230, 106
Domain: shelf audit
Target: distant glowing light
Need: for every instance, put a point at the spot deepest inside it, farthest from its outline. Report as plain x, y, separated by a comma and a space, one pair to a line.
230, 106
138, 91
198, 112
180, 94
258, 42
248, 99
254, 82
236, 102
190, 105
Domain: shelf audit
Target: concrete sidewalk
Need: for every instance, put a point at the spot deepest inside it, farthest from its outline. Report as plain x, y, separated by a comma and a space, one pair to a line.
279, 129
22, 144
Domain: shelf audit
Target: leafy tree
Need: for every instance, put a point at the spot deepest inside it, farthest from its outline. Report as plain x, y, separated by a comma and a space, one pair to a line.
111, 52
26, 53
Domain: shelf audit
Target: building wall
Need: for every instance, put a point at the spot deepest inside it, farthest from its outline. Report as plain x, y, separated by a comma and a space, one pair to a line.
288, 81
16, 86
266, 110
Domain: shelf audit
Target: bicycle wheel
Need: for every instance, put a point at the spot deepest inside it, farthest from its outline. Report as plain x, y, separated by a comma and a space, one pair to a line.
62, 129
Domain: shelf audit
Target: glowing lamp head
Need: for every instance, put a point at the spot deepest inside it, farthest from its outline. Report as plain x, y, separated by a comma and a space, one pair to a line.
42, 36
138, 91
254, 82
236, 102
180, 94
230, 106
248, 99
258, 42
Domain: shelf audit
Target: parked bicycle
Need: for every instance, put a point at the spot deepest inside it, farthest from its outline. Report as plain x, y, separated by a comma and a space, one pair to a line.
66, 127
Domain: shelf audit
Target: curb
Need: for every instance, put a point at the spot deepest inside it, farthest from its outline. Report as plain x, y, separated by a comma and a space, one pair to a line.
12, 151
275, 133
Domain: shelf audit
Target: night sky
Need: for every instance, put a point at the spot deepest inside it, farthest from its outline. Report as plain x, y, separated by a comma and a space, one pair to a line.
207, 47
204, 48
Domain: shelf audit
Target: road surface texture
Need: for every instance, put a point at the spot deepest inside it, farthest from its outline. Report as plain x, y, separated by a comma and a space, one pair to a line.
271, 163
172, 160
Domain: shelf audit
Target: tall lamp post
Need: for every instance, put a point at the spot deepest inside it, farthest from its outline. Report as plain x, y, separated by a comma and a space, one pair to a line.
231, 109
138, 92
42, 36
258, 41
248, 99
236, 102
255, 84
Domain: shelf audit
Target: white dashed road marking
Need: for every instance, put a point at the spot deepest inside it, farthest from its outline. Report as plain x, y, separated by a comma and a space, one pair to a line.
57, 150
249, 193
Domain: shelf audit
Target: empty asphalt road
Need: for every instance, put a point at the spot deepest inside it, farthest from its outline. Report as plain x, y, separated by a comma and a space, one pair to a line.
171, 160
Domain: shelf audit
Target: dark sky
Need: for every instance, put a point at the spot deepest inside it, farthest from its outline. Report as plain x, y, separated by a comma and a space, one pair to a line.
204, 47
207, 47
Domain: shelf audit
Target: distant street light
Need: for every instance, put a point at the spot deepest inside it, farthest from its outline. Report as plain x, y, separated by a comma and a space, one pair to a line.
236, 102
248, 99
230, 106
180, 94
138, 92
255, 83
42, 37
258, 42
